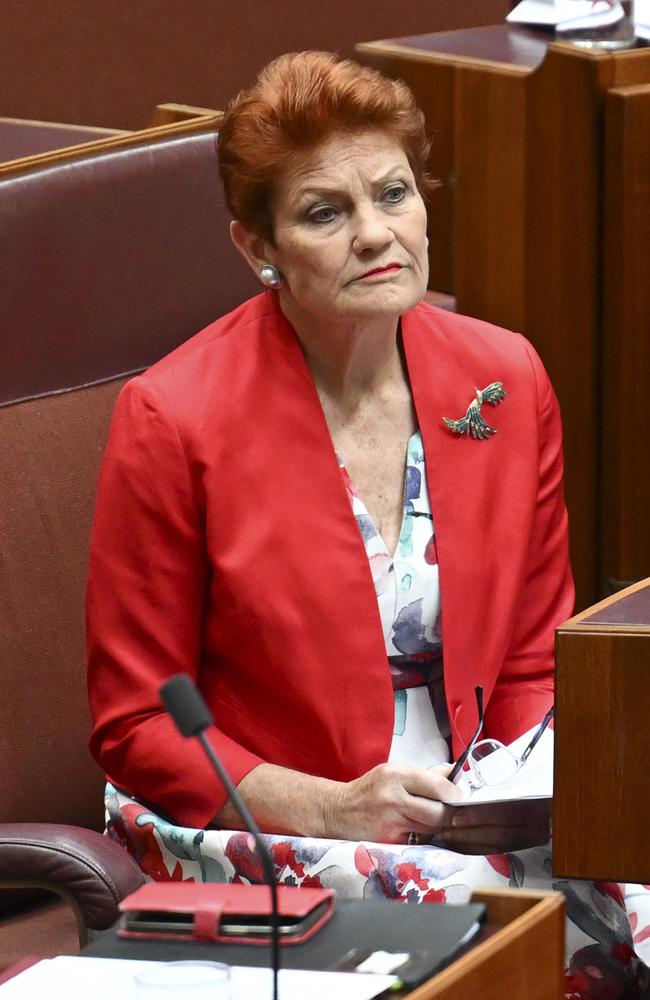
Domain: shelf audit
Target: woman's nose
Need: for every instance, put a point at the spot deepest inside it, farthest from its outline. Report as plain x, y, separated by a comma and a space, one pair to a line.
371, 230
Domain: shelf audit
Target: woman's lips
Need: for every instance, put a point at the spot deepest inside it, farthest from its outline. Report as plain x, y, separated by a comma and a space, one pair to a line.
382, 270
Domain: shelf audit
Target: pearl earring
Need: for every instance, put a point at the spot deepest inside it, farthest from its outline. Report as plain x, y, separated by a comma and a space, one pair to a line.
270, 276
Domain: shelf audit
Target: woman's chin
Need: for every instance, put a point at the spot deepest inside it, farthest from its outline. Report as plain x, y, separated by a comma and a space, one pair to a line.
384, 300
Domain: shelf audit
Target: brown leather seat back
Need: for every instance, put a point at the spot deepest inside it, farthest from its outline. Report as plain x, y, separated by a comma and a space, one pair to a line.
107, 264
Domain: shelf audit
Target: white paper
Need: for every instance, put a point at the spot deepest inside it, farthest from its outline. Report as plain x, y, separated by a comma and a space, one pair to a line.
568, 15
66, 978
533, 12
642, 19
534, 779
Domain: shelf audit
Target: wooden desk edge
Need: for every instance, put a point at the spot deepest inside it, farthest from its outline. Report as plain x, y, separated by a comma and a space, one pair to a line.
91, 129
394, 49
570, 625
527, 908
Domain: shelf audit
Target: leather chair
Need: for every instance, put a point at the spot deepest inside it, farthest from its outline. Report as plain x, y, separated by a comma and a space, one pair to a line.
26, 145
21, 137
110, 259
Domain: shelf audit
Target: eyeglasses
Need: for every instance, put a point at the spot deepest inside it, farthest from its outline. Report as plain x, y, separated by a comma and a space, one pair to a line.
478, 753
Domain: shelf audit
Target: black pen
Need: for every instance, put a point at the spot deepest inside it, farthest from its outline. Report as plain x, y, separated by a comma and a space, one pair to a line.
458, 766
538, 735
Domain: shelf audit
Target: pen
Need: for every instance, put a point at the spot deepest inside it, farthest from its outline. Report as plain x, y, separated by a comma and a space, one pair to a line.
454, 774
538, 735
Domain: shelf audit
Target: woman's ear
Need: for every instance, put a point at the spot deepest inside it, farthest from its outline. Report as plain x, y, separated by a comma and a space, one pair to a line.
251, 246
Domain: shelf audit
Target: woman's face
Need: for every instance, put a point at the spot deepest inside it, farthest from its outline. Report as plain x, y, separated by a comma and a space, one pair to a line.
350, 230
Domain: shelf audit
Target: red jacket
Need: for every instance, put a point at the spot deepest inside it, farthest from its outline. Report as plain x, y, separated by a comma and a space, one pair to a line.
224, 545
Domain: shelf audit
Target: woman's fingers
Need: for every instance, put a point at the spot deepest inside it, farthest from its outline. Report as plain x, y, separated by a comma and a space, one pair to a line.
432, 784
393, 800
426, 817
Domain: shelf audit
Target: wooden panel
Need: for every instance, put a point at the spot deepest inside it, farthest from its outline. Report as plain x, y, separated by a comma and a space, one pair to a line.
522, 961
562, 271
601, 803
625, 485
630, 67
489, 220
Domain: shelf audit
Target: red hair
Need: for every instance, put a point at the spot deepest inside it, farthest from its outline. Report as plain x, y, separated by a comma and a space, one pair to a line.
298, 101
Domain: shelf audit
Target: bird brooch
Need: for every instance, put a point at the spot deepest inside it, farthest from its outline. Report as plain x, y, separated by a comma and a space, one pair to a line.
473, 423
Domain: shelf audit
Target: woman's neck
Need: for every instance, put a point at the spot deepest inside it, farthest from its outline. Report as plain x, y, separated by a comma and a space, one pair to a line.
351, 360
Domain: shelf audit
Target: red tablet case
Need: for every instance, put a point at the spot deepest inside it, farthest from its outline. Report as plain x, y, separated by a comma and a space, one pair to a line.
209, 901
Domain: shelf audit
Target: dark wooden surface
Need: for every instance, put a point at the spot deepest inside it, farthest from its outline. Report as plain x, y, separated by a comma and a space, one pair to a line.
602, 706
625, 475
517, 229
629, 609
502, 44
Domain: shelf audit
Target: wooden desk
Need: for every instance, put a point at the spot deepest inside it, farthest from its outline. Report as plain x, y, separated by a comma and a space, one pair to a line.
601, 807
521, 957
523, 960
517, 229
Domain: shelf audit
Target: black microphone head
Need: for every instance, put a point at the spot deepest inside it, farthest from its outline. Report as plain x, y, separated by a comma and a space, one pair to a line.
186, 705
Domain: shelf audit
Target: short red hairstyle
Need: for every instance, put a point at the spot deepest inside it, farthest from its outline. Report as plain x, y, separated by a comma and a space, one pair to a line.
298, 101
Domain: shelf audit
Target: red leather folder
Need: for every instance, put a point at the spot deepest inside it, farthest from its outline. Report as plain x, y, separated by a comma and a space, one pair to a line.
228, 913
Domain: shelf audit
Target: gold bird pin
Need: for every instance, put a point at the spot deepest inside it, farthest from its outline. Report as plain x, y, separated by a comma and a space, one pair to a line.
473, 423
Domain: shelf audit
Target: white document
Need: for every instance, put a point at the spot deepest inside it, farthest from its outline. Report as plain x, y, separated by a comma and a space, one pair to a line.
534, 780
66, 978
642, 19
569, 14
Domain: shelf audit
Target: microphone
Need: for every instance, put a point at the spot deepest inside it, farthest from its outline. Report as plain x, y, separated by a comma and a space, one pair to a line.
188, 709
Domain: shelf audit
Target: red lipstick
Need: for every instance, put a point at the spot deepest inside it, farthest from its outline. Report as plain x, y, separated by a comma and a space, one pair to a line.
383, 270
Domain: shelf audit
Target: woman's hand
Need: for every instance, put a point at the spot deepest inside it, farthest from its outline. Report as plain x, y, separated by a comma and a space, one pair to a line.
389, 802
494, 827
385, 805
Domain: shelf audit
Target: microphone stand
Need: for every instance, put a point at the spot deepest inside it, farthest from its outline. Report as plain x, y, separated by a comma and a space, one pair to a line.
186, 705
252, 828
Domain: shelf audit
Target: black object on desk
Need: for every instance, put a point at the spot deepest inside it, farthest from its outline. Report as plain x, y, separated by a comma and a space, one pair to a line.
432, 934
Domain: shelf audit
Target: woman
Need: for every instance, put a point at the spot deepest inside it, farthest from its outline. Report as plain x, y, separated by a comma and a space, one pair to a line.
283, 501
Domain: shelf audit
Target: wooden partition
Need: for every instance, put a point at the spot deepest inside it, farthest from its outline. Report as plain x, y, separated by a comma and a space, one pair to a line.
601, 808
625, 478
517, 123
521, 959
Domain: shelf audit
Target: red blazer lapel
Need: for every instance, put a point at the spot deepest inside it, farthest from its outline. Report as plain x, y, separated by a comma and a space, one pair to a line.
469, 481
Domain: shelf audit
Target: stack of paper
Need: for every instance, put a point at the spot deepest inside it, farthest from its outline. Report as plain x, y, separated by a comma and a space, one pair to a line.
534, 780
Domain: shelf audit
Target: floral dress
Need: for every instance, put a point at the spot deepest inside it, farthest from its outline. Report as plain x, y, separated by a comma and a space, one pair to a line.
408, 595
608, 926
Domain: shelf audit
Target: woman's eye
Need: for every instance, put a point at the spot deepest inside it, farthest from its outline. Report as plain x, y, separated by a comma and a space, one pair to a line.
322, 214
395, 194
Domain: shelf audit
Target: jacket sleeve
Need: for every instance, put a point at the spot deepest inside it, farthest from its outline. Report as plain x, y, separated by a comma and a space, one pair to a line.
146, 590
524, 687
